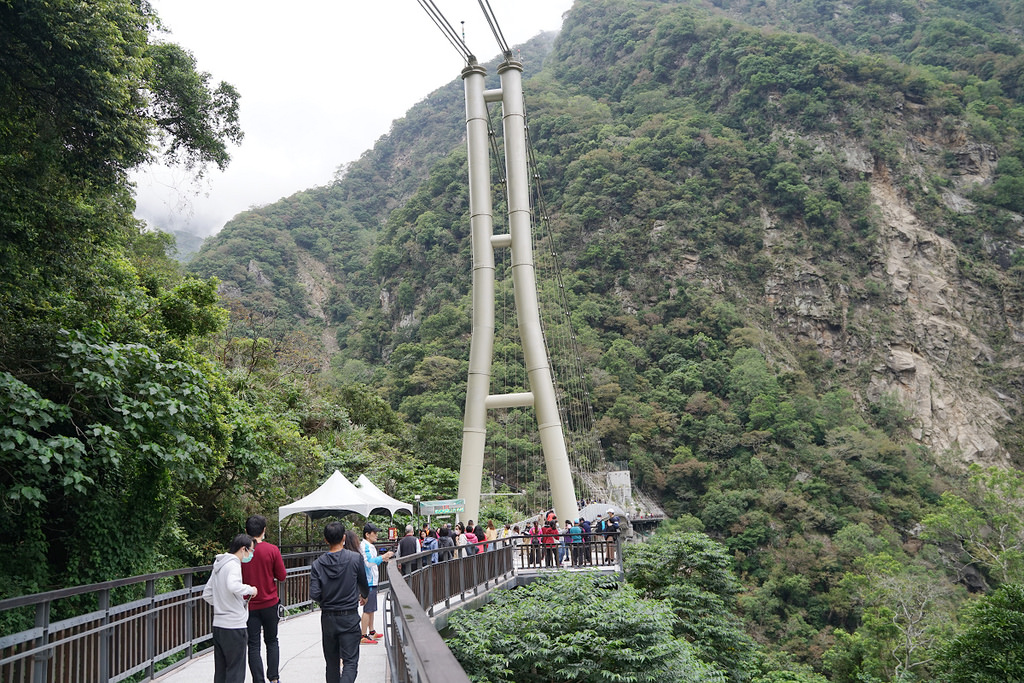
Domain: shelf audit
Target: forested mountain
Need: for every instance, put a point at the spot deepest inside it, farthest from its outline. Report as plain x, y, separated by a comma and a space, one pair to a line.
790, 239
847, 205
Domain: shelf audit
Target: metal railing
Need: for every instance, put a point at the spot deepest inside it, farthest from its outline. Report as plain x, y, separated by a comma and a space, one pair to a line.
422, 589
147, 626
113, 631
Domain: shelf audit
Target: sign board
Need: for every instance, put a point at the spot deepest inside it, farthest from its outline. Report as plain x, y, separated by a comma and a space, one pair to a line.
442, 507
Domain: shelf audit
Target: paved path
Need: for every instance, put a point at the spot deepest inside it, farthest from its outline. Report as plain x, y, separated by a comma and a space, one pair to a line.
302, 659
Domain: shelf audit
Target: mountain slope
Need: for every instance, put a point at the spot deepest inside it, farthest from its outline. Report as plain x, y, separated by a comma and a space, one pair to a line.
793, 266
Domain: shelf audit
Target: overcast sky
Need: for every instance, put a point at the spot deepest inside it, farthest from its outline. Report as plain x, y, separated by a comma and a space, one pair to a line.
320, 81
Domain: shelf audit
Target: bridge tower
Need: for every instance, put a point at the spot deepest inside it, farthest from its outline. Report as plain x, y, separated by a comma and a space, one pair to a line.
541, 395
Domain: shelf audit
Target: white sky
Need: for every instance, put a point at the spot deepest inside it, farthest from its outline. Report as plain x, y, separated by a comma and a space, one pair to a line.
320, 82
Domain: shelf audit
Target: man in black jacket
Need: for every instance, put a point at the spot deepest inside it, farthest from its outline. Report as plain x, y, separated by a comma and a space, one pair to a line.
409, 545
337, 580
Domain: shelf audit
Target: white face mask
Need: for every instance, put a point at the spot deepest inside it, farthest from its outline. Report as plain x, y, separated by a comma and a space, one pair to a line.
248, 557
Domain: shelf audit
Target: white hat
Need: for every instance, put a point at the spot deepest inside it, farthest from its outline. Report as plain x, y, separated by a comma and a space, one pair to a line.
610, 511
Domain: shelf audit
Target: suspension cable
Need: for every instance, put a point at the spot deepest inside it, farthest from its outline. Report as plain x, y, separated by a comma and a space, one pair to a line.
492, 21
446, 28
576, 407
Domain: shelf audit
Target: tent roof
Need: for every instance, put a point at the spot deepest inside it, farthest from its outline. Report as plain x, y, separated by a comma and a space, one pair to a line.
335, 497
379, 498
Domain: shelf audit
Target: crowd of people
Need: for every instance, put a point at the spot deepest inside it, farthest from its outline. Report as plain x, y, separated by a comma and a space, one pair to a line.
541, 542
243, 586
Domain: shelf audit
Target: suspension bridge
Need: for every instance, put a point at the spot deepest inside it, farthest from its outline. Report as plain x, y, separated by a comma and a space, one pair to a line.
155, 633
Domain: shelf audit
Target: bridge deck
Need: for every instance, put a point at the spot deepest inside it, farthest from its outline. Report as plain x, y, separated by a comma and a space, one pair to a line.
302, 660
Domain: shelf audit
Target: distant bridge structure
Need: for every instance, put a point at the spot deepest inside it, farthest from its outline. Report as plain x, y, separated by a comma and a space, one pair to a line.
547, 401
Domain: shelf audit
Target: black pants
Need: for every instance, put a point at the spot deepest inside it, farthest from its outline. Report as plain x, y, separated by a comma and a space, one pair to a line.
341, 637
228, 655
265, 619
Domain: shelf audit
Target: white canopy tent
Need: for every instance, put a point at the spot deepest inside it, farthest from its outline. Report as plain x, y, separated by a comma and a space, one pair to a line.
381, 499
335, 497
338, 496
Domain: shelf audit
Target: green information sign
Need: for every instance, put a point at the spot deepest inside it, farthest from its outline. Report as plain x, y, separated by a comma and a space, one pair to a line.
442, 507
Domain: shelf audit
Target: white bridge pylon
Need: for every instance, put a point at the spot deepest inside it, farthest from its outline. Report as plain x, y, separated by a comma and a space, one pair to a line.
524, 284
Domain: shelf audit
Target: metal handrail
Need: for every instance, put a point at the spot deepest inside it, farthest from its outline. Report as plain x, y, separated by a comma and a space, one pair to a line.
118, 629
111, 631
422, 590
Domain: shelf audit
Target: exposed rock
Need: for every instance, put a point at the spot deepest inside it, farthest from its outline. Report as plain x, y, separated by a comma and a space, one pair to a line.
256, 274
858, 157
933, 366
229, 290
312, 274
955, 202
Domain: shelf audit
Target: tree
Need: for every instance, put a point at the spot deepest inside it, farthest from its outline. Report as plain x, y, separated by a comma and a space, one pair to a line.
104, 406
125, 428
985, 528
988, 647
692, 574
574, 628
84, 94
908, 611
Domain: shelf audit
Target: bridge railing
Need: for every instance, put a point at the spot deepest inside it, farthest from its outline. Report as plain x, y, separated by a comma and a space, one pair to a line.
150, 625
422, 589
116, 630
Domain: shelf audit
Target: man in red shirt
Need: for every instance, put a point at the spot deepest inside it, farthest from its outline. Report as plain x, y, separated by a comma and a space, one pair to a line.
266, 566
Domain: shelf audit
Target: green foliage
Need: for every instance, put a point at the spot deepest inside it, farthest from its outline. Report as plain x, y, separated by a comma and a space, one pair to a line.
196, 121
985, 528
693, 575
128, 422
987, 648
573, 628
907, 613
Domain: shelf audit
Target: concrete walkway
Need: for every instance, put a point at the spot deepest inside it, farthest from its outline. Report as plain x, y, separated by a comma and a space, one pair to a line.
302, 659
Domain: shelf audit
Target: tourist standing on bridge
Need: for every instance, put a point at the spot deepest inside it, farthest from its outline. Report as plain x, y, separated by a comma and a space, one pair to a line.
429, 541
371, 563
611, 531
549, 538
445, 542
337, 580
490, 534
409, 545
267, 566
226, 592
576, 537
535, 551
586, 528
481, 535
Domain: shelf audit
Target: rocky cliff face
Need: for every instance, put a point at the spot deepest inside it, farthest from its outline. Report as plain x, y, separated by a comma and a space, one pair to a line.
928, 337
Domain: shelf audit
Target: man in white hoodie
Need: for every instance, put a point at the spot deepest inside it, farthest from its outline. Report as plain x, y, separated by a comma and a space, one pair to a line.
226, 592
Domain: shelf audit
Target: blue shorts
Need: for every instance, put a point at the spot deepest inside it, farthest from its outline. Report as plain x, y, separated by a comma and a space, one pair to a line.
371, 601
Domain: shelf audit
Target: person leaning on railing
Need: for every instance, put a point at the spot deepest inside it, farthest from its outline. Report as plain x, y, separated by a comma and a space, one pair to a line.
371, 564
445, 544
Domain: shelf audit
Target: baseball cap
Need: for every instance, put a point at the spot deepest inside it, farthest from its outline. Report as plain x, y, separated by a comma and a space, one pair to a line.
369, 528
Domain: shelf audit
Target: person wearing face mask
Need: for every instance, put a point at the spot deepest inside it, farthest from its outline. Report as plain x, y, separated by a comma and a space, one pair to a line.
226, 592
